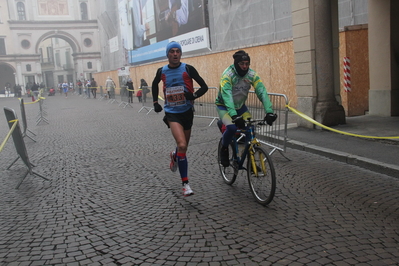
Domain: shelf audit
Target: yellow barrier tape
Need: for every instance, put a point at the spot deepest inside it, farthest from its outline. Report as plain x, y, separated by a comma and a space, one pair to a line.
332, 129
159, 97
40, 98
9, 134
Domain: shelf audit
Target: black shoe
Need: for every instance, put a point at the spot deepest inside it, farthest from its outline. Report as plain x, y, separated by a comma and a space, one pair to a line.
224, 157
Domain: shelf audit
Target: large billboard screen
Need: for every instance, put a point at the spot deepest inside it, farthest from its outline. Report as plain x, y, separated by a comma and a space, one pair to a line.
156, 22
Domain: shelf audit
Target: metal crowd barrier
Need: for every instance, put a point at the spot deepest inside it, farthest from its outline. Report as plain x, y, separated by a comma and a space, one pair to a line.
25, 121
205, 106
111, 96
145, 90
274, 136
16, 133
42, 112
102, 94
146, 102
124, 92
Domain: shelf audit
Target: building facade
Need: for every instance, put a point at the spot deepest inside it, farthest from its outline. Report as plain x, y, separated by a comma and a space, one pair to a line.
26, 28
98, 35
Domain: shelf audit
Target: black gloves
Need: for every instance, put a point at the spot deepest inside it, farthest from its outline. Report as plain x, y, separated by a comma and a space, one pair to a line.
238, 121
270, 118
157, 107
190, 96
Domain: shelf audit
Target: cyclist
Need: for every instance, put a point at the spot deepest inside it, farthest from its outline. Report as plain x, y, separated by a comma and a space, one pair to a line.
179, 94
235, 84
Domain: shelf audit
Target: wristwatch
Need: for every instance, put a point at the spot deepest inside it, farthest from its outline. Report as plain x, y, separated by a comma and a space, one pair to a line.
195, 95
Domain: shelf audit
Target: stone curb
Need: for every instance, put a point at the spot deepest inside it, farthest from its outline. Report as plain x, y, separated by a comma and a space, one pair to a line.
370, 164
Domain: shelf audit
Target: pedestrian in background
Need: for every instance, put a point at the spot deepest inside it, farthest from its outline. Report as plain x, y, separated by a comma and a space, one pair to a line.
65, 88
110, 86
139, 95
93, 85
35, 91
19, 91
88, 89
79, 83
144, 88
130, 89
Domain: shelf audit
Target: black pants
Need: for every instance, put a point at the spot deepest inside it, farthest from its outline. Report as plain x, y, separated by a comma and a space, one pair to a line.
130, 97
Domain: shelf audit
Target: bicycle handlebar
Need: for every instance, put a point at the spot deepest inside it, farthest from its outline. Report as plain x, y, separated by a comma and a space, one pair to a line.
249, 120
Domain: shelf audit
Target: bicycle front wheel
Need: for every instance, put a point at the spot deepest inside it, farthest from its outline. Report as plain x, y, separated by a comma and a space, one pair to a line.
230, 172
261, 176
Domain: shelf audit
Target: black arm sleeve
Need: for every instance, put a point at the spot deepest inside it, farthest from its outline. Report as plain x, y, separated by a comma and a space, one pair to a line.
194, 75
154, 86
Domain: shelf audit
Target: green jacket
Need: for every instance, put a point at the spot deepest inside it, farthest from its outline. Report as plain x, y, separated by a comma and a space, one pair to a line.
234, 89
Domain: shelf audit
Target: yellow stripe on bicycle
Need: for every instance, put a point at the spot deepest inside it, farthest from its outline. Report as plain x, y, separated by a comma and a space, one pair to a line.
331, 129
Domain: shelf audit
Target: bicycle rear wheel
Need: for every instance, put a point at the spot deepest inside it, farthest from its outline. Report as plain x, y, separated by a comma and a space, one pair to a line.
228, 173
261, 176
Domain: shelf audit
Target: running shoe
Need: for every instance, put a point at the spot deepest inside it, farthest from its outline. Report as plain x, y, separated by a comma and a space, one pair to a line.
173, 162
187, 191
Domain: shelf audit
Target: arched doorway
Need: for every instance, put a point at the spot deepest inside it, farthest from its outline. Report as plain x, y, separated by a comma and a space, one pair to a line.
7, 78
58, 64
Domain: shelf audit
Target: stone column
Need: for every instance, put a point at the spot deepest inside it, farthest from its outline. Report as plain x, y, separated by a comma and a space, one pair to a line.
380, 57
315, 60
20, 78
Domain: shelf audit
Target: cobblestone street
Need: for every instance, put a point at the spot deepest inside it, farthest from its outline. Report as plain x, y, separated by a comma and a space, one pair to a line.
112, 199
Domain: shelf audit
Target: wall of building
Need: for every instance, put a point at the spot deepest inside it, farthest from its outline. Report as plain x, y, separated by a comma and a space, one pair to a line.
275, 65
354, 45
272, 62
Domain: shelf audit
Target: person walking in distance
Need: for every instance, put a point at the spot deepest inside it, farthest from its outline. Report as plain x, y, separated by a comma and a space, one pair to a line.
110, 86
179, 97
93, 85
65, 88
139, 95
144, 89
130, 89
88, 88
235, 83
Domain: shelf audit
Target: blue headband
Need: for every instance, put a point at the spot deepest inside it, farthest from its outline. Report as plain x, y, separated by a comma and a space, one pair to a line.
172, 45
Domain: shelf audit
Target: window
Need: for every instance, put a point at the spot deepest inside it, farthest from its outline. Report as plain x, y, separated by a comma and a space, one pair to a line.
41, 55
25, 44
2, 46
68, 59
21, 11
50, 54
57, 58
28, 68
89, 65
87, 42
83, 11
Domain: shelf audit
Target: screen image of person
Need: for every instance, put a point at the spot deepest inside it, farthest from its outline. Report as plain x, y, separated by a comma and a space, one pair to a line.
138, 23
178, 14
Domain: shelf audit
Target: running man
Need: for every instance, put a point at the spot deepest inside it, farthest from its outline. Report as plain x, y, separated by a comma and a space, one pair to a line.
179, 97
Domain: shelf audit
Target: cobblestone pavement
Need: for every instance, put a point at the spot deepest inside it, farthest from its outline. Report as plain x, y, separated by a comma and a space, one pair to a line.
112, 199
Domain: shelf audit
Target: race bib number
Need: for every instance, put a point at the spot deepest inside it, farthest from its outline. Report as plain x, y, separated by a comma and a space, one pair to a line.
175, 96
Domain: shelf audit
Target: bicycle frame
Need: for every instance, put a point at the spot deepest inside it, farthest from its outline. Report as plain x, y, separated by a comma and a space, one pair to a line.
259, 167
250, 141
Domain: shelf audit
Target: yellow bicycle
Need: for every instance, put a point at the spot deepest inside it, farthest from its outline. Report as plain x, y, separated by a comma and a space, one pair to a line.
260, 170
